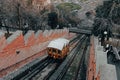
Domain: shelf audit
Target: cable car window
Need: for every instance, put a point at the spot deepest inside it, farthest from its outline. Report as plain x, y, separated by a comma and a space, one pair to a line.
59, 52
54, 50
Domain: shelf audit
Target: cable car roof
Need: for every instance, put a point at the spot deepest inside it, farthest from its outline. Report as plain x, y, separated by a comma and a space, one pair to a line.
58, 43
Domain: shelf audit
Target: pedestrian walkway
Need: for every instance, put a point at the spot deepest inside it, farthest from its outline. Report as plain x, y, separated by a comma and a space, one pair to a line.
105, 70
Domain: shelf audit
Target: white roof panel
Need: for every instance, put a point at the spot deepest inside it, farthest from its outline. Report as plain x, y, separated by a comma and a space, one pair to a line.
58, 43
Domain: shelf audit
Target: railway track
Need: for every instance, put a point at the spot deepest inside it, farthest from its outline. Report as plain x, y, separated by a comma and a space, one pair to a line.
32, 72
29, 73
77, 64
82, 67
64, 72
49, 73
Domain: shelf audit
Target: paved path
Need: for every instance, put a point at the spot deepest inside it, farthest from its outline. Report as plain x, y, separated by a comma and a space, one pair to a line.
107, 71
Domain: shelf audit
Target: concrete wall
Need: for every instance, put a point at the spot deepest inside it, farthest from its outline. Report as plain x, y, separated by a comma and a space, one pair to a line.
18, 47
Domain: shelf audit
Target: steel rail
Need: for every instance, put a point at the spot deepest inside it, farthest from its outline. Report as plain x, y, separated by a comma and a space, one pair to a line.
81, 62
37, 69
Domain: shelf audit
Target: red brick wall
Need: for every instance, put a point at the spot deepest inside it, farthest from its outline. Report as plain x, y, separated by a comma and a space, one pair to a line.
16, 43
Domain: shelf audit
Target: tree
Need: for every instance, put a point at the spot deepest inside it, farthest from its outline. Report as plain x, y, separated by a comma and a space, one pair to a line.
110, 10
3, 16
53, 20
